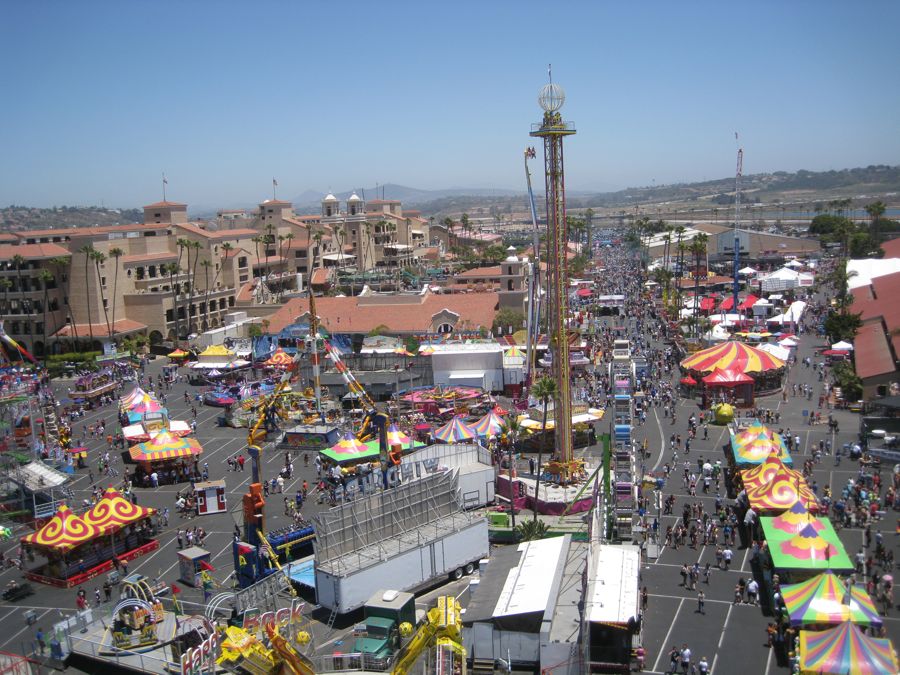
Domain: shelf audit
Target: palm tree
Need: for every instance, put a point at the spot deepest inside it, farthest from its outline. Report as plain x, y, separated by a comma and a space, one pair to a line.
6, 284
172, 269
18, 261
530, 530
256, 242
45, 276
61, 264
206, 264
99, 258
510, 430
698, 250
115, 253
268, 239
88, 250
543, 390
192, 281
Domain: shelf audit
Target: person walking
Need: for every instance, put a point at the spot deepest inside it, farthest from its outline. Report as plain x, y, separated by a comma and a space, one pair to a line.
685, 659
180, 536
674, 660
701, 602
41, 642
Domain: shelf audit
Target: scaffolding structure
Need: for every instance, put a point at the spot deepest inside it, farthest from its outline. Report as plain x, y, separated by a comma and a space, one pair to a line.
356, 535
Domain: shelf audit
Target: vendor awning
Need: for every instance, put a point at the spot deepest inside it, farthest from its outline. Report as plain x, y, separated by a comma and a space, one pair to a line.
727, 378
63, 532
113, 512
810, 549
165, 446
845, 649
827, 599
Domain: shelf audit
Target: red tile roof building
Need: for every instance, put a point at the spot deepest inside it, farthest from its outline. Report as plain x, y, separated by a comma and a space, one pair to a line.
877, 344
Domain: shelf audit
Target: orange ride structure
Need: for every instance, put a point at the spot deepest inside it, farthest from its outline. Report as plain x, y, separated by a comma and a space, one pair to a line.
81, 547
553, 130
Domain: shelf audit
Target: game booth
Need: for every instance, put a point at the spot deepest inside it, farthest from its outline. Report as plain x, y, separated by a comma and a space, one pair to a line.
173, 459
79, 548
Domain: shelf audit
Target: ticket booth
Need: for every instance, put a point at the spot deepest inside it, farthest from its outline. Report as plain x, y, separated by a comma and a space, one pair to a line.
189, 561
210, 497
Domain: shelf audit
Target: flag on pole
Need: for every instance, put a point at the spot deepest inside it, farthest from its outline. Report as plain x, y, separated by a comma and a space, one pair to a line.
165, 180
274, 183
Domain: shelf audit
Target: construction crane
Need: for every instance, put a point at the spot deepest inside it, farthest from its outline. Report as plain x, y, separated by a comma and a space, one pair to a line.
737, 225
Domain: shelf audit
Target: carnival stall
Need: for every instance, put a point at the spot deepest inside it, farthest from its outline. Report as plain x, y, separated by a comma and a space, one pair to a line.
218, 357
801, 544
93, 386
732, 385
171, 458
79, 548
780, 493
454, 431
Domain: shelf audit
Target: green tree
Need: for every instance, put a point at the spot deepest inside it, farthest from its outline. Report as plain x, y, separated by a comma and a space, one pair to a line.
510, 431
254, 330
531, 530
61, 265
98, 258
171, 269
380, 329
205, 264
505, 318
847, 379
544, 389
88, 251
698, 250
194, 246
115, 253
6, 284
842, 325
876, 210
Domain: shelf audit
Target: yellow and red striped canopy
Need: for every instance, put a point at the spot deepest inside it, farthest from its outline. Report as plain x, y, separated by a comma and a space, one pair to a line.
164, 446
63, 532
732, 355
280, 359
113, 512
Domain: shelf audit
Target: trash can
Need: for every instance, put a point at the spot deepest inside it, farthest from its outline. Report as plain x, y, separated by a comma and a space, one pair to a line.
30, 617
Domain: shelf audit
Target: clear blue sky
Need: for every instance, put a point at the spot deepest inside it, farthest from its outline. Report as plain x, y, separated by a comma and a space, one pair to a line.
101, 97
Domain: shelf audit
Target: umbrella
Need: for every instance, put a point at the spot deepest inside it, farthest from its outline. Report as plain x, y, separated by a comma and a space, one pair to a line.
348, 445
845, 649
688, 380
396, 437
454, 431
489, 425
823, 600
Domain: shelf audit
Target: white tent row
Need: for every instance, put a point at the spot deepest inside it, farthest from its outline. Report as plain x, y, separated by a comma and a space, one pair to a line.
782, 353
792, 314
783, 279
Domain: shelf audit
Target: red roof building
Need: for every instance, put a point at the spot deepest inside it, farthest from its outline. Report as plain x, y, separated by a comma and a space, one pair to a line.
877, 344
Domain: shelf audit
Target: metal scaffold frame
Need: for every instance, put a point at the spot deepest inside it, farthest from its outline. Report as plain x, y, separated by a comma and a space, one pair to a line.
354, 535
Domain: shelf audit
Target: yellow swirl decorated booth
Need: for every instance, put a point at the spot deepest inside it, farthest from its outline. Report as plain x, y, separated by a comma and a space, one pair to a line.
81, 547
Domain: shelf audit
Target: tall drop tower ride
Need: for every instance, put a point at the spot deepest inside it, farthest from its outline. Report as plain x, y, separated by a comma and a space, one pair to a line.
553, 129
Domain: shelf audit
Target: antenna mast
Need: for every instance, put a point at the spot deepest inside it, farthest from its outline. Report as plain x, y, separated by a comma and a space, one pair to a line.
737, 225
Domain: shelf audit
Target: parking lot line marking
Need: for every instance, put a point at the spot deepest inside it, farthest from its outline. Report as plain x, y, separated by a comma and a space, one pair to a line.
769, 660
681, 597
22, 630
665, 641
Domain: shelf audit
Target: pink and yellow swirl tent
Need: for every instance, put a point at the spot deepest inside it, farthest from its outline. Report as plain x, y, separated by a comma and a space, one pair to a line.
781, 493
795, 519
279, 359
845, 650
749, 450
137, 394
765, 472
349, 445
164, 446
815, 546
731, 356
455, 431
824, 600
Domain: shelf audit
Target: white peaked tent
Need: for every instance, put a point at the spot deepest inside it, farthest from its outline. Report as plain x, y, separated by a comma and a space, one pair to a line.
747, 270
842, 345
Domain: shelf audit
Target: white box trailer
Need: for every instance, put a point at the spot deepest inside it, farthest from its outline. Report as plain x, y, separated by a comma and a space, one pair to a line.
345, 584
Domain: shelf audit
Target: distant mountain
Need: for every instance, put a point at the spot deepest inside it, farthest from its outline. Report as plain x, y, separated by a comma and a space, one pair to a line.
34, 218
407, 195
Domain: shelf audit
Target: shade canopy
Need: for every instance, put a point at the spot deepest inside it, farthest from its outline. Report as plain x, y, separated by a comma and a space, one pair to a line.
780, 493
348, 445
765, 472
688, 380
397, 437
795, 519
489, 425
113, 512
216, 350
732, 355
164, 446
63, 532
178, 354
824, 599
279, 359
454, 431
726, 378
843, 345
137, 394
748, 302
806, 550
845, 650
755, 430
756, 450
